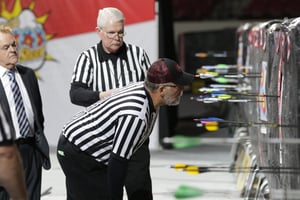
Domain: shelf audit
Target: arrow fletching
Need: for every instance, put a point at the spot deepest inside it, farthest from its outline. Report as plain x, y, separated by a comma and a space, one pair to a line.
184, 191
180, 141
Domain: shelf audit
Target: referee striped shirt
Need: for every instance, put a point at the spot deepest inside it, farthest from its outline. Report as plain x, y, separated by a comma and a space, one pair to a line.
5, 131
118, 124
99, 71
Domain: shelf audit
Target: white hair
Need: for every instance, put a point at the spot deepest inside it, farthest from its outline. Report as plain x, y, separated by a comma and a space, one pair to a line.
108, 15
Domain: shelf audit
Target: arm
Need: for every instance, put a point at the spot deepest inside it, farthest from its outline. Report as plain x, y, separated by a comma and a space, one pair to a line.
129, 129
81, 95
81, 92
11, 172
37, 106
117, 168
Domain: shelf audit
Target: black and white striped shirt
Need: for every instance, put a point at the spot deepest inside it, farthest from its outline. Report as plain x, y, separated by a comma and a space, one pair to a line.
6, 134
99, 71
118, 124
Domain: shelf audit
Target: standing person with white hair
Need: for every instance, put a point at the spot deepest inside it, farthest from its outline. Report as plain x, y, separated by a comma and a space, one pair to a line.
21, 102
103, 68
95, 148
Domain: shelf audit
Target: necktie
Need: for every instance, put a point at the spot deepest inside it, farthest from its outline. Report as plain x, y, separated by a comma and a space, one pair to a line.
20, 109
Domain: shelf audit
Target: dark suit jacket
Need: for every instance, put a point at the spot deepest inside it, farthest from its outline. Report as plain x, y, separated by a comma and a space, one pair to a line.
31, 84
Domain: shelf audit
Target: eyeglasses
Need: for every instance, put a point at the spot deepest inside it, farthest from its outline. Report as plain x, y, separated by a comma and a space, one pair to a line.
112, 34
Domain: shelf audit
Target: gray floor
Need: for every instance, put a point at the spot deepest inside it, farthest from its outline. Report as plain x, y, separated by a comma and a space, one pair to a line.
215, 185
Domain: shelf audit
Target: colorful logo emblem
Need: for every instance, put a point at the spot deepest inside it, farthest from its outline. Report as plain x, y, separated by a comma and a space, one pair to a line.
29, 32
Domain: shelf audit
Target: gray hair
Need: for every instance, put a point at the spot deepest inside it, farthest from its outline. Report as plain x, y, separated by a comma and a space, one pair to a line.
109, 14
5, 29
151, 86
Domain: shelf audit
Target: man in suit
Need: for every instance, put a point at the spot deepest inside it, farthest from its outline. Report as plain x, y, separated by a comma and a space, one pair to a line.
29, 128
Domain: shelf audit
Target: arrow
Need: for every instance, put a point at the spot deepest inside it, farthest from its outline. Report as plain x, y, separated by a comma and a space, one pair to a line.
239, 76
225, 69
225, 80
199, 170
180, 141
224, 98
222, 95
224, 66
225, 87
216, 121
208, 74
222, 54
182, 166
209, 89
216, 92
214, 124
185, 191
210, 95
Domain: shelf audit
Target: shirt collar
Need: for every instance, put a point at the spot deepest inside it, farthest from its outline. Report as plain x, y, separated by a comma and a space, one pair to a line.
103, 56
3, 71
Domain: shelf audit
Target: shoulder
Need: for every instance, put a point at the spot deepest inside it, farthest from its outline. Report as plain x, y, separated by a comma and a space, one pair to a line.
127, 93
27, 73
134, 47
92, 49
24, 69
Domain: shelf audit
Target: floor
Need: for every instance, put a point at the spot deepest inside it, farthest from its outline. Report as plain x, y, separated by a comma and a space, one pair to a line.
166, 180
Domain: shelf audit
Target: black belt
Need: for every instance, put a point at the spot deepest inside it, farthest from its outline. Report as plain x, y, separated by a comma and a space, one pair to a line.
27, 140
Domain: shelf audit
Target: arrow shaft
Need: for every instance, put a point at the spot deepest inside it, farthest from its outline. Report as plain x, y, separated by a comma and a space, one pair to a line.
220, 92
238, 123
245, 168
249, 171
222, 141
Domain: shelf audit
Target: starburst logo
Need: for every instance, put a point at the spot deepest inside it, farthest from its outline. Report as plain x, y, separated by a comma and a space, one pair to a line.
29, 32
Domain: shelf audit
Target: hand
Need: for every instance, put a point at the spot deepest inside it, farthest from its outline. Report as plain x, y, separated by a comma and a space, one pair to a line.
107, 93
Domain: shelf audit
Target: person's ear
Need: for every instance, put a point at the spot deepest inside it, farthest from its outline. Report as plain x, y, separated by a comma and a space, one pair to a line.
162, 91
97, 29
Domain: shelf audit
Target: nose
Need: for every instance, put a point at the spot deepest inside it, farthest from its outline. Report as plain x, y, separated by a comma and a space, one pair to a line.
12, 47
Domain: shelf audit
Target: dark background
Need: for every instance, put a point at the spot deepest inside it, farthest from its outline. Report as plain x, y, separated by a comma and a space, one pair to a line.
234, 9
178, 120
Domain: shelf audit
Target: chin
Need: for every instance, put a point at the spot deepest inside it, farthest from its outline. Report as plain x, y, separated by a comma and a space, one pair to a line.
173, 103
114, 49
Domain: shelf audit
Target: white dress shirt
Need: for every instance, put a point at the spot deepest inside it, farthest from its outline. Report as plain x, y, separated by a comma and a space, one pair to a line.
9, 94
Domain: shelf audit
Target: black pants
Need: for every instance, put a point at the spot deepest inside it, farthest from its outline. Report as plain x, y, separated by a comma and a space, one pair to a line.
32, 170
138, 181
87, 179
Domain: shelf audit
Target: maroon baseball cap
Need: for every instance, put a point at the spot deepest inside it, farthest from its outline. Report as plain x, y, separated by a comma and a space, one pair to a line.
165, 70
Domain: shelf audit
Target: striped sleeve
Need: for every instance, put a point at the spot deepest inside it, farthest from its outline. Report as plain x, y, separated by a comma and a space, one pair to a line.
128, 135
138, 60
83, 69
